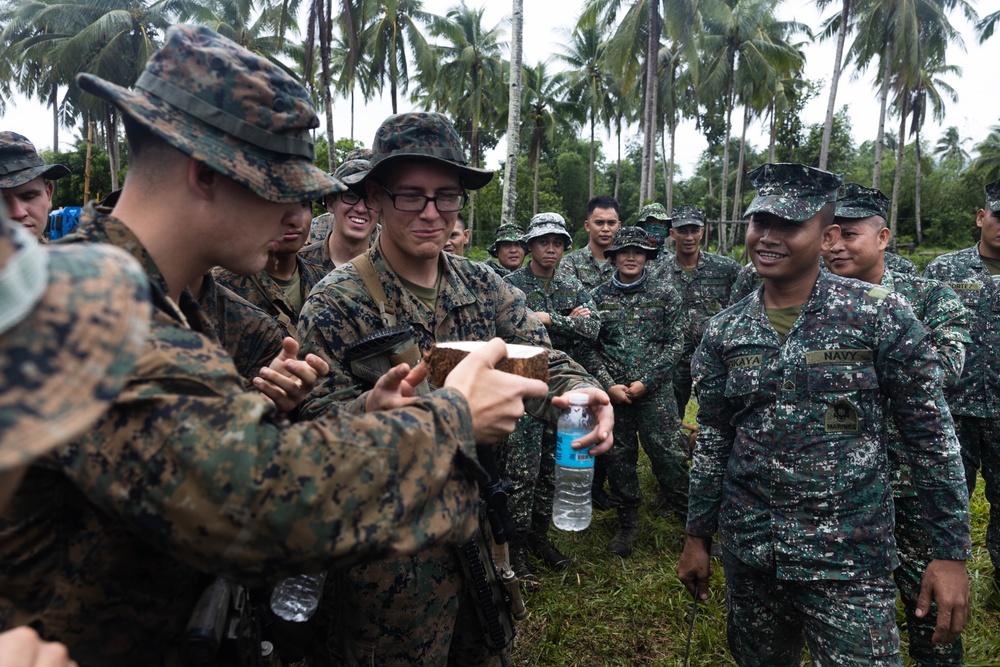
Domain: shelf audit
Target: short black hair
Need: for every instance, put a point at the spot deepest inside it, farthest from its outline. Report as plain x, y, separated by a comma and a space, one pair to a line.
603, 201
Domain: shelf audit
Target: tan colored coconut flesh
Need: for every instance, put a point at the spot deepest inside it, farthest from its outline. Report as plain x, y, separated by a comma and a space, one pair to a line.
525, 360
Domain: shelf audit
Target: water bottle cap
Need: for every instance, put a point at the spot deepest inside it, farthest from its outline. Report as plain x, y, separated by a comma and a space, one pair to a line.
578, 398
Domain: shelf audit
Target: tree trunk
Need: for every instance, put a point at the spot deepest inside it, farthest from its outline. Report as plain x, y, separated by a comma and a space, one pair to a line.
54, 99
670, 181
352, 113
86, 164
737, 199
898, 182
593, 113
824, 151
649, 105
534, 199
916, 203
325, 37
774, 129
111, 140
883, 101
724, 181
513, 117
618, 161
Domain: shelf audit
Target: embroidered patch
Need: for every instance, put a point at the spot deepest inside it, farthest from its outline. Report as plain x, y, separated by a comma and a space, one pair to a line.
838, 356
878, 292
966, 287
745, 361
788, 385
842, 417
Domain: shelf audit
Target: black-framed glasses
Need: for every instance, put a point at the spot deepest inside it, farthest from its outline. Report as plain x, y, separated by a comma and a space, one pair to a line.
449, 203
349, 198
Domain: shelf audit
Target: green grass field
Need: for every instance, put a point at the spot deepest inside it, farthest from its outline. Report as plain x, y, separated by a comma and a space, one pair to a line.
605, 610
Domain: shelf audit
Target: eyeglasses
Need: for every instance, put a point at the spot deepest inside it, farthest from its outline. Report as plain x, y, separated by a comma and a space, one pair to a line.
408, 203
349, 198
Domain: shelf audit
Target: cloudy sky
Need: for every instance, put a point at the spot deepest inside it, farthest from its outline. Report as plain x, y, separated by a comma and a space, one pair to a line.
973, 114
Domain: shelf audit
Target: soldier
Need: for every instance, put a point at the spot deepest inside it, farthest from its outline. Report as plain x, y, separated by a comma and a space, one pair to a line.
589, 266
656, 221
747, 281
81, 314
791, 464
858, 253
641, 339
975, 400
506, 250
353, 226
566, 310
27, 182
187, 476
323, 224
458, 239
416, 609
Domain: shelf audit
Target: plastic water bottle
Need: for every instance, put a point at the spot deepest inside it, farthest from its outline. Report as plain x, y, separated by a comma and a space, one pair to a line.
571, 508
296, 598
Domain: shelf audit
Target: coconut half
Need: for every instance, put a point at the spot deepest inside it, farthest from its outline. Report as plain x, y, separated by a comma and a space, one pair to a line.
527, 361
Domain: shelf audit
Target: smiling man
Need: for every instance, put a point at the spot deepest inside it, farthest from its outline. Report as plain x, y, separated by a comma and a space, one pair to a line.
27, 183
353, 225
506, 250
791, 466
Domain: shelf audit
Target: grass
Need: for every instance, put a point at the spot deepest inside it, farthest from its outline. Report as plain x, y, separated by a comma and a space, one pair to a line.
605, 610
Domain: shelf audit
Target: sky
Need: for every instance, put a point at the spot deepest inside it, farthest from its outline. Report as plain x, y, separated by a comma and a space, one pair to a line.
973, 114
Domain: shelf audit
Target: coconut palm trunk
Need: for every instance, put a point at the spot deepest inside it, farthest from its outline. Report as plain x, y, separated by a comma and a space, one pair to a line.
916, 203
883, 102
898, 182
514, 118
824, 151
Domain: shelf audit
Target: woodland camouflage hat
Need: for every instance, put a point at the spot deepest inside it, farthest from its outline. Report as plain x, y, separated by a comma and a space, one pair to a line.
423, 135
632, 237
857, 201
792, 191
508, 233
688, 215
547, 223
655, 211
238, 113
20, 163
993, 195
352, 171
73, 321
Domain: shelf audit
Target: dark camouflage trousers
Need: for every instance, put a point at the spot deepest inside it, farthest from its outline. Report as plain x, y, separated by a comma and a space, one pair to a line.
913, 547
846, 623
980, 440
682, 382
528, 459
653, 419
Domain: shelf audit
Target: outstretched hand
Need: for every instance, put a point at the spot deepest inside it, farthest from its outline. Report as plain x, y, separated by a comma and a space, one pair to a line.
397, 388
286, 381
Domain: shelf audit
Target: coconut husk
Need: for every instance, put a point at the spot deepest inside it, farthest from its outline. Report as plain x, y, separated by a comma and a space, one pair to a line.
525, 360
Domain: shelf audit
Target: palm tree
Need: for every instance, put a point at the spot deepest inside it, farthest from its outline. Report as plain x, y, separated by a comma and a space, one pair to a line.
513, 115
544, 113
986, 26
843, 23
949, 147
391, 34
986, 166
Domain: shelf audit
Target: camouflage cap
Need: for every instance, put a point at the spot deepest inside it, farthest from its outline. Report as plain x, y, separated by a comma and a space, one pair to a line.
632, 237
792, 191
688, 215
423, 135
655, 211
74, 322
857, 201
508, 233
993, 195
229, 108
547, 223
20, 163
352, 171
359, 154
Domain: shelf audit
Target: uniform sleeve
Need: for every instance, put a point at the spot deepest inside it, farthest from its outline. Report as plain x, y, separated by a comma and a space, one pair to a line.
716, 435
663, 357
911, 374
198, 468
590, 353
948, 322
579, 328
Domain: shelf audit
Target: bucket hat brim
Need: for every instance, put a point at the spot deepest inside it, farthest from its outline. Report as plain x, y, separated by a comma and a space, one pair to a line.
471, 178
49, 172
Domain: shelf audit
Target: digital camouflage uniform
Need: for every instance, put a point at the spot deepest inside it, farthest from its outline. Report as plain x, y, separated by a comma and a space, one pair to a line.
505, 233
899, 264
582, 265
529, 453
641, 338
975, 398
747, 281
656, 221
705, 291
262, 291
791, 465
112, 540
248, 334
415, 610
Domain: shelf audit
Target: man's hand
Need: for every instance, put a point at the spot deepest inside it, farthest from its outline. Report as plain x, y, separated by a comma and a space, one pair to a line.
545, 318
618, 393
495, 398
947, 583
287, 381
695, 567
601, 438
22, 647
636, 390
579, 311
397, 388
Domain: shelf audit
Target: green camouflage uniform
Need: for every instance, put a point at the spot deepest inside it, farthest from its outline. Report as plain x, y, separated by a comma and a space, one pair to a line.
899, 264
511, 233
498, 269
975, 398
248, 334
582, 265
404, 610
264, 292
747, 281
529, 453
642, 333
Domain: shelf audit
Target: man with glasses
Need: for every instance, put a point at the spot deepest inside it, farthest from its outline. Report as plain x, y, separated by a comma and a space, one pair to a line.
418, 609
353, 226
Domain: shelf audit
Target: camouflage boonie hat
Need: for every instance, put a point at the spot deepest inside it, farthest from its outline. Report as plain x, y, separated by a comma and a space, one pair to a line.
73, 322
547, 223
224, 106
505, 233
857, 201
20, 163
632, 237
792, 191
352, 171
423, 135
993, 195
655, 211
359, 154
688, 215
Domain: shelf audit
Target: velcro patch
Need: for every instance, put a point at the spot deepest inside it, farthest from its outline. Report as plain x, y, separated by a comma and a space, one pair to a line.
838, 356
745, 361
878, 292
841, 417
966, 287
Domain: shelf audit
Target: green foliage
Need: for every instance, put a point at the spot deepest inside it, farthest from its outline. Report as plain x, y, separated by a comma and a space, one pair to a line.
341, 148
69, 189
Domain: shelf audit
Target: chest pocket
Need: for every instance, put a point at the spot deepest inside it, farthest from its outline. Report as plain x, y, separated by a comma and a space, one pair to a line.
743, 375
842, 378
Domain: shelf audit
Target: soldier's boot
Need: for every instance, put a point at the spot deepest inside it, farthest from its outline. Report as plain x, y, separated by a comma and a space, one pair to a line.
628, 532
519, 563
538, 543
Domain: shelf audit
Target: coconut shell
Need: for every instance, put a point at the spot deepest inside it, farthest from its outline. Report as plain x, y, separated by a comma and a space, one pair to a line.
525, 360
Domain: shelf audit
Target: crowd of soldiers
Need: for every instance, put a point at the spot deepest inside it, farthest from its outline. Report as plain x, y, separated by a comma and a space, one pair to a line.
207, 391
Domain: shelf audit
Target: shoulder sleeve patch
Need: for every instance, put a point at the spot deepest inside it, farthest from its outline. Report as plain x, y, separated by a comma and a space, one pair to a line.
878, 292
